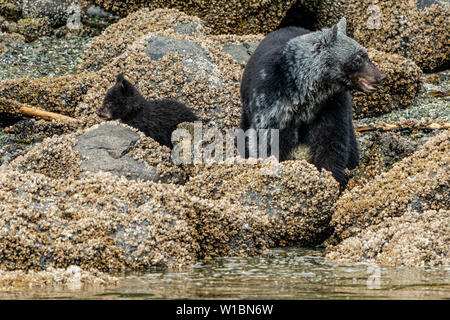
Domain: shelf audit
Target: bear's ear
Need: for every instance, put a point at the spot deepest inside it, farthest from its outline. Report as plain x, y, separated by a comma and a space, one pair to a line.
342, 26
329, 36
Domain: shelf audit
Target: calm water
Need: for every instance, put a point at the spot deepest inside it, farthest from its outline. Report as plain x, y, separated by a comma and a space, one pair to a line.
291, 273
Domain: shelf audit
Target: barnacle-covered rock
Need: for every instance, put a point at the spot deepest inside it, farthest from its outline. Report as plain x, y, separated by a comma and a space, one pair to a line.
110, 224
223, 16
294, 196
417, 30
418, 183
55, 10
33, 28
72, 277
402, 85
108, 147
413, 239
60, 95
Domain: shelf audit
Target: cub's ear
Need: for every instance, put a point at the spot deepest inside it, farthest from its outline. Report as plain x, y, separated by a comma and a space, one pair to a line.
120, 77
126, 87
342, 26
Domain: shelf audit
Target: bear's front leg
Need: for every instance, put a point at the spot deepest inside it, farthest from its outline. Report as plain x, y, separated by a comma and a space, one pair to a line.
328, 138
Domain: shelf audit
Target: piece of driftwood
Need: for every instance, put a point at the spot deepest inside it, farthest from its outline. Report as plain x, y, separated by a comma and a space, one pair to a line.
392, 127
46, 115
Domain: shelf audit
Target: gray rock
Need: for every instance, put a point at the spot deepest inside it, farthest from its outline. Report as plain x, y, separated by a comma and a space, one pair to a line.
189, 28
196, 59
105, 149
241, 52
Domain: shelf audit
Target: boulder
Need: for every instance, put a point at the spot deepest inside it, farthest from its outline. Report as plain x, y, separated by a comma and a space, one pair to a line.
417, 30
109, 147
413, 239
222, 16
112, 224
57, 11
34, 28
403, 84
295, 198
419, 183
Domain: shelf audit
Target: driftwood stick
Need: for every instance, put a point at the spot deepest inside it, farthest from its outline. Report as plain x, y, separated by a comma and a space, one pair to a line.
41, 114
392, 127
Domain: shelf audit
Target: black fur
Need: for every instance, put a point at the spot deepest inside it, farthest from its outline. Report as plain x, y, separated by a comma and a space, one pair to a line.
156, 118
301, 87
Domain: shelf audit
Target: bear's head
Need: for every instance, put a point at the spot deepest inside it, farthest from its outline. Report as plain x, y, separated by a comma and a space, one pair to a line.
120, 100
347, 62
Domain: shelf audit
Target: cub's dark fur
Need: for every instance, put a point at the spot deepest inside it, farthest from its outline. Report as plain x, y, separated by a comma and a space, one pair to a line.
156, 118
298, 81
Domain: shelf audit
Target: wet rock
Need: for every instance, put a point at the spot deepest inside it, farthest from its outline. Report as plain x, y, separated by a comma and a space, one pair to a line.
242, 17
72, 278
413, 239
294, 196
34, 28
419, 183
54, 10
11, 9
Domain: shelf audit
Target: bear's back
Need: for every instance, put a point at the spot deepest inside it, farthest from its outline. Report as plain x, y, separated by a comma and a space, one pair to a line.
264, 57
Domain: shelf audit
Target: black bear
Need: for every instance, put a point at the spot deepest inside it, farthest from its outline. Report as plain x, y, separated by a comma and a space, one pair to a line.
298, 81
156, 118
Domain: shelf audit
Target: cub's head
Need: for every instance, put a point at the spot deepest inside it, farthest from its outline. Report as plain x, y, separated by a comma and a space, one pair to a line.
346, 60
120, 100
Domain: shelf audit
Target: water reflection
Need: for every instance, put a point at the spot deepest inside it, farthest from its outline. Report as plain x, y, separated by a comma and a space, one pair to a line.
289, 273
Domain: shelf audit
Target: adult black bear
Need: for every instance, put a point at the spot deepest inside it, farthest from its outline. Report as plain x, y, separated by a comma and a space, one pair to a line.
156, 118
298, 82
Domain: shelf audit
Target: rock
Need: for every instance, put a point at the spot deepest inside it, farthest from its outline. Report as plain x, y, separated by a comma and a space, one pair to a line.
417, 183
112, 224
403, 83
109, 147
241, 52
11, 9
195, 58
413, 239
54, 10
60, 95
34, 28
117, 37
294, 196
105, 149
412, 29
72, 278
242, 17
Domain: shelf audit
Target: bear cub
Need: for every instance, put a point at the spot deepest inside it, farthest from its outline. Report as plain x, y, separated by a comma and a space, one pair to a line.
299, 82
156, 118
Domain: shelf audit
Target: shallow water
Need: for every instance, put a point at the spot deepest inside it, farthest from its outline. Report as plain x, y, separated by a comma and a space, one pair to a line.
289, 273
